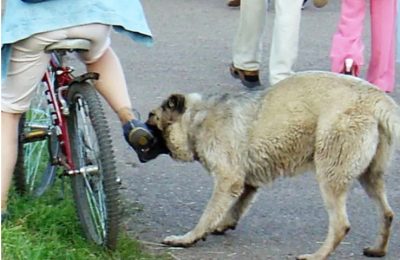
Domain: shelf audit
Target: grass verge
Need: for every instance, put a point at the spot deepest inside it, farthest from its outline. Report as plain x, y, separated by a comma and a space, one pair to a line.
48, 228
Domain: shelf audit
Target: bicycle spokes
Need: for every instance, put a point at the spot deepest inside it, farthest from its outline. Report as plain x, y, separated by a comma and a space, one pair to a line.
88, 158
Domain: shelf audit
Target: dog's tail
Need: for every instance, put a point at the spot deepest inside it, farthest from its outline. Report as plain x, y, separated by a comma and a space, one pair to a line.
387, 113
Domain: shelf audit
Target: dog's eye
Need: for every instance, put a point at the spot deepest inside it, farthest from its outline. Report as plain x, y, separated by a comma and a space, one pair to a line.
151, 114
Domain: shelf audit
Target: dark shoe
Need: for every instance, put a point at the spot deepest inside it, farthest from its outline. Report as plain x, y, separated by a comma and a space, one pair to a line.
158, 147
250, 79
234, 3
146, 141
138, 135
152, 153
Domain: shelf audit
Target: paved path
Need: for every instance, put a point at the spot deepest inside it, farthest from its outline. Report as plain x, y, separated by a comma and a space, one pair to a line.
163, 197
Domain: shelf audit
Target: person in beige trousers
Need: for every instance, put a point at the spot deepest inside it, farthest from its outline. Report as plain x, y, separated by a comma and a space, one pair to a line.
247, 47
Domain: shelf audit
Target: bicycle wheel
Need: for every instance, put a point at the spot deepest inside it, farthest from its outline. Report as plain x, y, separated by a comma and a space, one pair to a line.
33, 173
95, 189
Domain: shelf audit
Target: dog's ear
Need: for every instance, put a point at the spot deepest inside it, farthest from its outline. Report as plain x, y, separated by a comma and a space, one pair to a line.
176, 102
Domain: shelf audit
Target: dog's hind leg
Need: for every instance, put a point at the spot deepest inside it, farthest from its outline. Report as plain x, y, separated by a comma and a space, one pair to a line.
345, 147
374, 185
227, 189
237, 210
335, 202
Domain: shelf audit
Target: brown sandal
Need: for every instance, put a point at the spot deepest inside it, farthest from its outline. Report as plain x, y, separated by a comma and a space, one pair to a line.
234, 3
248, 78
320, 3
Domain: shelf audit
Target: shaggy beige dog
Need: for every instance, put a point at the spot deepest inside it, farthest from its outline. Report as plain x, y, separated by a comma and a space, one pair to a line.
340, 127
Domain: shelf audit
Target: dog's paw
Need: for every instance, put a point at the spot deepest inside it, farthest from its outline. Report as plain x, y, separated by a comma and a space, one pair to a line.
186, 240
222, 230
373, 252
309, 257
229, 222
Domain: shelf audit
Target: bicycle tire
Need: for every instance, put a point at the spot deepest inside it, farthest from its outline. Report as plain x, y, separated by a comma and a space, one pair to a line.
33, 173
96, 195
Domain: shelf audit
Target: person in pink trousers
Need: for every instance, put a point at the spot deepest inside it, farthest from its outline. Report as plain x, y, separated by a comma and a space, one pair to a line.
348, 47
398, 31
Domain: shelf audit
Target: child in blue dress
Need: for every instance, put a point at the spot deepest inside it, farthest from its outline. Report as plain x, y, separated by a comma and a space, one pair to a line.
28, 28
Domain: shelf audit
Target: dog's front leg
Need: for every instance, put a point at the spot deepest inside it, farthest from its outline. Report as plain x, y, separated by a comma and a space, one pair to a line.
226, 192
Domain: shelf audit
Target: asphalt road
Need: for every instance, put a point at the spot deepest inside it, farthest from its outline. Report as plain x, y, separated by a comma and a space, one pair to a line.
192, 53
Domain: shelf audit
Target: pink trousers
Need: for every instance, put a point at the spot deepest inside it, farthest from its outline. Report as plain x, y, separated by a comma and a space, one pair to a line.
347, 41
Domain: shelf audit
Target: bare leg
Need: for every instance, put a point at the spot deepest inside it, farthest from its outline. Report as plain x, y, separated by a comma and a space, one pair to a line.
112, 84
237, 210
9, 146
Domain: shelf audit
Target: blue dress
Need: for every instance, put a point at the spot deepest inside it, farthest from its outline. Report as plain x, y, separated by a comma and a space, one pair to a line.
22, 20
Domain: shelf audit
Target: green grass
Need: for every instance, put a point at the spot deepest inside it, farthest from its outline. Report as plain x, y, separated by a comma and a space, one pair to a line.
47, 228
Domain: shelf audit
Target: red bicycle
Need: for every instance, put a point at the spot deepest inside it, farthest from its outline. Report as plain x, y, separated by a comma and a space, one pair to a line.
66, 129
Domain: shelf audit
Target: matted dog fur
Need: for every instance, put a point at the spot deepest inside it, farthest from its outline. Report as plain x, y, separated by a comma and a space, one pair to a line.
340, 127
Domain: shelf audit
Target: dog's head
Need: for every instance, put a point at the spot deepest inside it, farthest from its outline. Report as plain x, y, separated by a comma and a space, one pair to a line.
170, 120
170, 111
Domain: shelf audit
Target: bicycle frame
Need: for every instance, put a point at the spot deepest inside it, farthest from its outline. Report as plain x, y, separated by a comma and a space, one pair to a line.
66, 115
57, 80
54, 92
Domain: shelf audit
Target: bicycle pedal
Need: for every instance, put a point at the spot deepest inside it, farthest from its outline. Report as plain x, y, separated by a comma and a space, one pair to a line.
34, 135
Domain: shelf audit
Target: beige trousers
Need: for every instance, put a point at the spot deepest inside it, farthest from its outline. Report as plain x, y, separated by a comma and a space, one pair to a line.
29, 61
27, 66
247, 47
